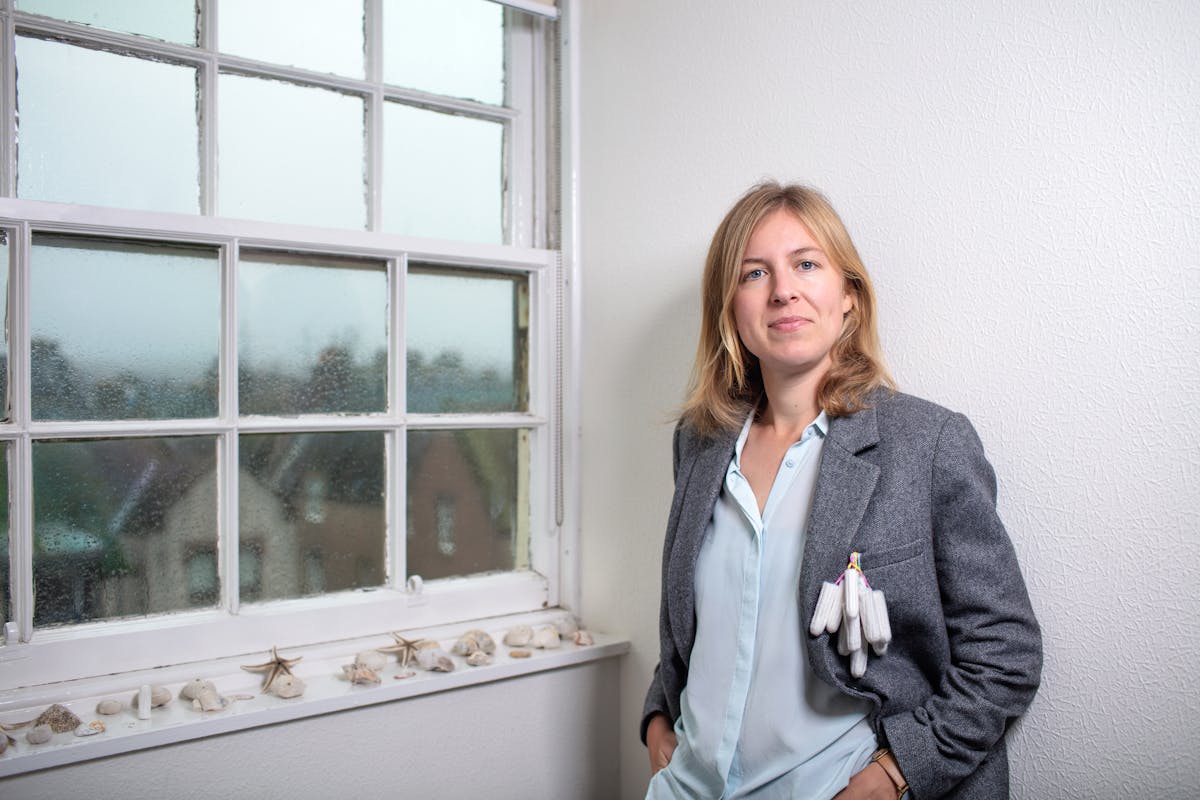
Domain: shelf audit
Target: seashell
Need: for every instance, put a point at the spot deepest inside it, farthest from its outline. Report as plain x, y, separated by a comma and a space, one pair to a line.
90, 728
546, 638
208, 700
519, 653
566, 626
287, 686
159, 696
371, 659
519, 636
241, 697
191, 690
109, 706
59, 718
5, 741
356, 673
39, 734
479, 658
472, 641
434, 659
408, 673
582, 638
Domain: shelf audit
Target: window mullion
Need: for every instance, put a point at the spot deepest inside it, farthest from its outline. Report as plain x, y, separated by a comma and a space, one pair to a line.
397, 466
373, 65
20, 472
227, 457
8, 106
207, 109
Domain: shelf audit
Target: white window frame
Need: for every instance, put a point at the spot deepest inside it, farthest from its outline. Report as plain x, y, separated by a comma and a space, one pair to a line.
35, 658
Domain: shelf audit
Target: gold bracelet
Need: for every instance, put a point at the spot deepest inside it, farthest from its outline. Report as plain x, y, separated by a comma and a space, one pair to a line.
884, 758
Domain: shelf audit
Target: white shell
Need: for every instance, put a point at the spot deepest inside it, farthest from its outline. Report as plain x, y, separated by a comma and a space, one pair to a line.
473, 641
39, 734
287, 686
582, 638
435, 659
479, 659
519, 636
566, 626
192, 689
546, 638
90, 728
357, 673
109, 706
208, 700
159, 696
371, 659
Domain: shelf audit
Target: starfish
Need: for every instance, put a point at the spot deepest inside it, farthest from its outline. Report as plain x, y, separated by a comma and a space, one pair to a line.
278, 665
405, 649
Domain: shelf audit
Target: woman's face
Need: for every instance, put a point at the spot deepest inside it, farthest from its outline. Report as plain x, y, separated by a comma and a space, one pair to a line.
790, 298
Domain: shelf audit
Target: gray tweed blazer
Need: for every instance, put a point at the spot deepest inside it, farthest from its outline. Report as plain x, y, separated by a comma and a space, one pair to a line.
906, 484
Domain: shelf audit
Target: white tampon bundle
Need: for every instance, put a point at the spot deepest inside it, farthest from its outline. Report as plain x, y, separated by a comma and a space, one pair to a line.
856, 612
828, 615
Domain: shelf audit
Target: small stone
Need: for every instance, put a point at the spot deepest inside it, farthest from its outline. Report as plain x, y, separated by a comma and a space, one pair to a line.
566, 626
209, 700
472, 641
39, 734
371, 659
519, 653
582, 638
109, 706
435, 659
192, 689
546, 638
356, 673
287, 686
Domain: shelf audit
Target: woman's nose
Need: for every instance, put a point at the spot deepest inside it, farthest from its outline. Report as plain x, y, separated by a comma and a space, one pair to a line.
783, 287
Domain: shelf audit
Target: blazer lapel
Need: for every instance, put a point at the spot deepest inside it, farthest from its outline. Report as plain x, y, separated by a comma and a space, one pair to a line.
844, 487
704, 475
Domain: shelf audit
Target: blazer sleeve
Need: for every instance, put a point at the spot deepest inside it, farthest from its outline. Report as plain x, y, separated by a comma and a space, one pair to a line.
656, 695
995, 642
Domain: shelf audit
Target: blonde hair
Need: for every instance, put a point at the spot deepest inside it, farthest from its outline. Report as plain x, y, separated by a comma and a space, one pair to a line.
726, 381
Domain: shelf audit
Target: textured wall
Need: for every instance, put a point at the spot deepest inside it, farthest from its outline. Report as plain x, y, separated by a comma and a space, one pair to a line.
551, 735
1021, 178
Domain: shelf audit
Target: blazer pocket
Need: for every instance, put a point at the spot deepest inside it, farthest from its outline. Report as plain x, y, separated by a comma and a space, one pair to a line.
877, 559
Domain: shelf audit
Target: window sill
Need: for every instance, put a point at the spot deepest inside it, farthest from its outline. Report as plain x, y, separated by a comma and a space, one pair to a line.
327, 691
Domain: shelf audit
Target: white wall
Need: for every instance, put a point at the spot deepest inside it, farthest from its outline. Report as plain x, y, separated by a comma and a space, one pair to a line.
1021, 178
550, 735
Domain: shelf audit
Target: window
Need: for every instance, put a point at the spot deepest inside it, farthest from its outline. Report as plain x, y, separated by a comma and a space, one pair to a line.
283, 316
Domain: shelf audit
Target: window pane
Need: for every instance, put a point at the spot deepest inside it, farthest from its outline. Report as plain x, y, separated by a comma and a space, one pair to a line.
468, 502
311, 513
169, 20
312, 335
291, 153
458, 366
103, 129
123, 330
442, 175
450, 47
5, 413
5, 586
328, 40
116, 524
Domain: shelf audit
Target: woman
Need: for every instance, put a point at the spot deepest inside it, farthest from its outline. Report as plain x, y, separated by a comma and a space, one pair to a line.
793, 452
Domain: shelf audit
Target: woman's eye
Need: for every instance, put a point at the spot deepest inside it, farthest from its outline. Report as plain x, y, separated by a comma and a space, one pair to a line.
753, 275
806, 266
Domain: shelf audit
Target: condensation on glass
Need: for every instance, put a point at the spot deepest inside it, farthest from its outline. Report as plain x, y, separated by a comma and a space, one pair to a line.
312, 335
5, 266
103, 129
283, 32
6, 599
123, 330
117, 524
467, 335
168, 20
442, 175
467, 503
291, 153
448, 47
311, 513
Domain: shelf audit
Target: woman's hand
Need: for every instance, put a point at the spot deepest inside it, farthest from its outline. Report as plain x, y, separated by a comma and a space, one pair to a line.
872, 783
661, 742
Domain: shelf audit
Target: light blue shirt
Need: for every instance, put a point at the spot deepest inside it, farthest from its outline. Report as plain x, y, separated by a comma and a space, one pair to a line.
755, 721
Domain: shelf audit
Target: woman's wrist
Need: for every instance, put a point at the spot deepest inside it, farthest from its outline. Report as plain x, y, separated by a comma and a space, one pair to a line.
884, 758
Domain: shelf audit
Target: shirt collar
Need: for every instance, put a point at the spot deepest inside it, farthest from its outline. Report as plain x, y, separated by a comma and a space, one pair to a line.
818, 427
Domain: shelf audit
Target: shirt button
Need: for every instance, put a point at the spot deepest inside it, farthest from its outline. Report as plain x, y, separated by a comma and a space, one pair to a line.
789, 463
